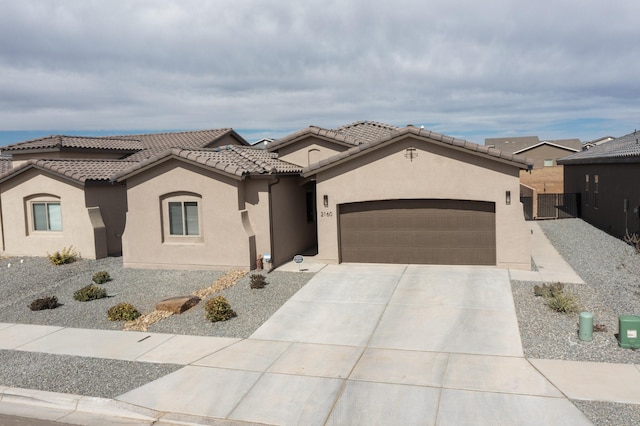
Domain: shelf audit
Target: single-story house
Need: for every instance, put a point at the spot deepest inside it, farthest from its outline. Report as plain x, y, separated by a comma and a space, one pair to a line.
408, 195
607, 176
57, 192
364, 192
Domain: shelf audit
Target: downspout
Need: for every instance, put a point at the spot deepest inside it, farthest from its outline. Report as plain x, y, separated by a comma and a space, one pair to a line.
1, 226
272, 246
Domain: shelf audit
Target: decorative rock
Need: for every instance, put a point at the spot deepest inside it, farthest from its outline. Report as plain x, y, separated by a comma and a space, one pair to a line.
177, 304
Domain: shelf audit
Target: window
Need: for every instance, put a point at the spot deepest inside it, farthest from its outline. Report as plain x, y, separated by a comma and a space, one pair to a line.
183, 218
548, 163
47, 216
180, 215
595, 191
586, 190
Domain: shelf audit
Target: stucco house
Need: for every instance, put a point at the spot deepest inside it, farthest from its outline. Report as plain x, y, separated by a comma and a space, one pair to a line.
408, 195
364, 192
57, 192
607, 176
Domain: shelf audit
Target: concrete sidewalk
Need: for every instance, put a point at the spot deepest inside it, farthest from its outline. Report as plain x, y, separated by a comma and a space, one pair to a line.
359, 344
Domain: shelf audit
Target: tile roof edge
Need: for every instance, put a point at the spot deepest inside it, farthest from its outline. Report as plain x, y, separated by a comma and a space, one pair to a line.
448, 140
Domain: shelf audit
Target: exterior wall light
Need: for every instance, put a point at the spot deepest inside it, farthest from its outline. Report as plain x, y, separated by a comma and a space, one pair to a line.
508, 198
325, 200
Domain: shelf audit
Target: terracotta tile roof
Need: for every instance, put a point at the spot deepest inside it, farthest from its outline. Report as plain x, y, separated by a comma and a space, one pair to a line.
155, 143
518, 160
231, 159
623, 149
125, 144
366, 131
74, 169
349, 135
140, 146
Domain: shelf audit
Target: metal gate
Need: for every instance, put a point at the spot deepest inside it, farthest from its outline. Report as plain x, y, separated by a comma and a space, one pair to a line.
558, 206
527, 206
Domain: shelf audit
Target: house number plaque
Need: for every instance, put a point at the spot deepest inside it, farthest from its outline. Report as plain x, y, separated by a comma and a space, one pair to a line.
326, 214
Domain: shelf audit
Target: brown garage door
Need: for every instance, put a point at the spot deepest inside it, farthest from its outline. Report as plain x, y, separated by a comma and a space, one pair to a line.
440, 232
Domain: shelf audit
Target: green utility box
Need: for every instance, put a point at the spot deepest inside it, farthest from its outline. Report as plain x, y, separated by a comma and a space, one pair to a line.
629, 335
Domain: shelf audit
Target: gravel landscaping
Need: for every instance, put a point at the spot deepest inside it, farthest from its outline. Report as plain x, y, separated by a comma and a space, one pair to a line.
610, 269
23, 280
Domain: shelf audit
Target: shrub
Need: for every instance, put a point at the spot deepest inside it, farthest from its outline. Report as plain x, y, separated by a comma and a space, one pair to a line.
90, 292
123, 312
257, 281
101, 277
49, 302
66, 255
218, 309
562, 302
548, 290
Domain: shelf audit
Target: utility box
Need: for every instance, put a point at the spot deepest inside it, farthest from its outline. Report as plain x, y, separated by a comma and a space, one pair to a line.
629, 335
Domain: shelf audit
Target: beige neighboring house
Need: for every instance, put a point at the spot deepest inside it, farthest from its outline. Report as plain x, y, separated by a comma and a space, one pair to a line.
407, 195
57, 192
546, 176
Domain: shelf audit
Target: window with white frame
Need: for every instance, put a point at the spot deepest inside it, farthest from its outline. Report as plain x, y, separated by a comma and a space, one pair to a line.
548, 163
181, 212
46, 216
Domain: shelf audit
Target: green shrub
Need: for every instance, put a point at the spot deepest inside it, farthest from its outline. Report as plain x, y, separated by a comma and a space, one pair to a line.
66, 255
122, 312
562, 302
218, 309
257, 281
101, 277
49, 302
90, 292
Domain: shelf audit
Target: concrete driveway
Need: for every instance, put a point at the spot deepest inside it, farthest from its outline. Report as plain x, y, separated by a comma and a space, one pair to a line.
375, 344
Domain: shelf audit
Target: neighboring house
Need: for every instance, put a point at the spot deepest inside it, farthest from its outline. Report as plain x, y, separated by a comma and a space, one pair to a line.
607, 177
408, 195
58, 191
364, 192
546, 177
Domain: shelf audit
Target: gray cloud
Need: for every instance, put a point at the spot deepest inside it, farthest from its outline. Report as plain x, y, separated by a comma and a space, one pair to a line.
556, 68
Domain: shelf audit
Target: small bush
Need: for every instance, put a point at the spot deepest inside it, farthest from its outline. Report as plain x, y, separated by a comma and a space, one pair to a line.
123, 312
257, 281
562, 302
49, 302
66, 255
548, 290
101, 277
90, 292
218, 309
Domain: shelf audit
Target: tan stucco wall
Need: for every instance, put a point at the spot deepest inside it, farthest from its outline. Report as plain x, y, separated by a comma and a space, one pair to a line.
298, 152
225, 240
77, 228
112, 201
436, 173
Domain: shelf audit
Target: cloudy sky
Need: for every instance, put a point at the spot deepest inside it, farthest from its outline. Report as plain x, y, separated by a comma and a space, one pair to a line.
465, 68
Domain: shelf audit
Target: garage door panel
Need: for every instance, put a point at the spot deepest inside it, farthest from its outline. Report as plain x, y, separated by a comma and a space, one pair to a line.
418, 231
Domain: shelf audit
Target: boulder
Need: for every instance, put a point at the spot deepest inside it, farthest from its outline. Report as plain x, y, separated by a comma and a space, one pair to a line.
177, 304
